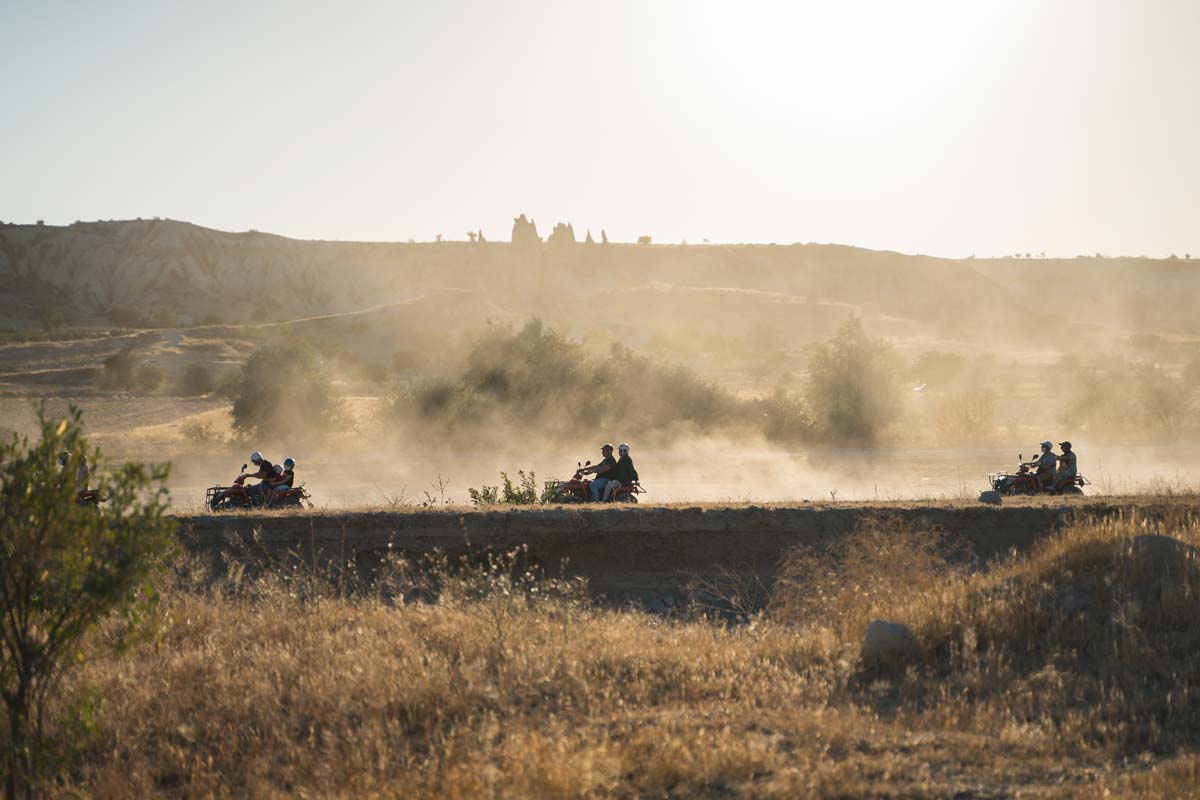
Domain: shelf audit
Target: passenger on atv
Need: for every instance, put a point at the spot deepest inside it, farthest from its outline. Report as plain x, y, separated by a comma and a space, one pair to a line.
1067, 467
285, 476
601, 471
623, 474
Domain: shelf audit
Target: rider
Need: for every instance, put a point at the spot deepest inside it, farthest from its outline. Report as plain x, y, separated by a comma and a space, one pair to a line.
288, 476
1067, 467
1045, 465
265, 475
284, 476
601, 471
623, 474
82, 474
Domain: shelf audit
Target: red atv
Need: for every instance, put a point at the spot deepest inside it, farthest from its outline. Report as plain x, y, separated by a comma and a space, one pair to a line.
1024, 481
239, 496
579, 489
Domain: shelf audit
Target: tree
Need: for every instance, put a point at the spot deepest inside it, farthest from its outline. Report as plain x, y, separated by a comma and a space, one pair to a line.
852, 388
65, 567
284, 389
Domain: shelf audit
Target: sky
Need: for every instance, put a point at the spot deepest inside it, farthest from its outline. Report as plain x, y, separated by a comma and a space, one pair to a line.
948, 128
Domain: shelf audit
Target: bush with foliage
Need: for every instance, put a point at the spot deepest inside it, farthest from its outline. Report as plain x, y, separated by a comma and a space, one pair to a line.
149, 378
283, 389
64, 568
120, 370
537, 380
852, 388
523, 492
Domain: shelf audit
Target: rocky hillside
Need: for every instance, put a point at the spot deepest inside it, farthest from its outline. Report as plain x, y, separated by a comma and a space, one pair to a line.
168, 273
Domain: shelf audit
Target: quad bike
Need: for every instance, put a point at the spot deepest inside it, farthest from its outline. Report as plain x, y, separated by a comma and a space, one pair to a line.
227, 498
90, 497
579, 488
1024, 481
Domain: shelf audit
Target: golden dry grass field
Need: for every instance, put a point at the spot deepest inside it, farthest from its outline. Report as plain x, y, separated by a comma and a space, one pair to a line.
1065, 671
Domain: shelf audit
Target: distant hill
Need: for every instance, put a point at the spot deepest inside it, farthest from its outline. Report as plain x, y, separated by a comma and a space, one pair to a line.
173, 273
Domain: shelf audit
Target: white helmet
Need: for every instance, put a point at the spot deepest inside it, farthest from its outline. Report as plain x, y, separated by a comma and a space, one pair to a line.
255, 457
289, 462
63, 458
279, 469
624, 448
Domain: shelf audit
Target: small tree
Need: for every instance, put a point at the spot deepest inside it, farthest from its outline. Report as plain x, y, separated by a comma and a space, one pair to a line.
63, 568
284, 388
120, 369
852, 388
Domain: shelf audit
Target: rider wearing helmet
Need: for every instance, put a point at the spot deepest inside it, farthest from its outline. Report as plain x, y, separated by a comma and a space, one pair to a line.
1045, 465
82, 473
265, 474
1067, 467
287, 474
601, 471
623, 474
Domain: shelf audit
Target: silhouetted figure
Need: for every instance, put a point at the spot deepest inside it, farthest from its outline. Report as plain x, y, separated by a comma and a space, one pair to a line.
524, 232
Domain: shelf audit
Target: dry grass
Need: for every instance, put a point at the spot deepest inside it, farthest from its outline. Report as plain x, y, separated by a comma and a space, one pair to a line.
1066, 671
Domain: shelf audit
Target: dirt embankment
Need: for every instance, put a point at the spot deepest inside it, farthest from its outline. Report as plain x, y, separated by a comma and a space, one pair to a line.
645, 554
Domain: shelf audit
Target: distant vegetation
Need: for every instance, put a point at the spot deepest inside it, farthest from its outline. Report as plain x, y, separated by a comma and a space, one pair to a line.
284, 389
538, 382
65, 570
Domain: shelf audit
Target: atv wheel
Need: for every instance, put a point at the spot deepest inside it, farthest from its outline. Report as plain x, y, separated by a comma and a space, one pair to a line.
1072, 490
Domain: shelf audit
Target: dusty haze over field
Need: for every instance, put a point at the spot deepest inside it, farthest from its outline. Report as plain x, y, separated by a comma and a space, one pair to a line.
1042, 154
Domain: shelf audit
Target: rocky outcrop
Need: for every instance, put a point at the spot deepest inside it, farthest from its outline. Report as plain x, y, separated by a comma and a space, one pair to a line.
524, 232
562, 234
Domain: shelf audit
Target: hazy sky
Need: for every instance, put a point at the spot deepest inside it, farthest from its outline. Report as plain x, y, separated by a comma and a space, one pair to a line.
946, 128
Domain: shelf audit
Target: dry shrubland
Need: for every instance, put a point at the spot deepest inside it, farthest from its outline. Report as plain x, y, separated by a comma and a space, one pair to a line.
1066, 670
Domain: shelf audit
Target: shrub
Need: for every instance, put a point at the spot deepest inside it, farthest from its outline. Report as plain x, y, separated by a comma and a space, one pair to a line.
283, 388
522, 493
536, 380
852, 388
149, 378
120, 370
202, 435
64, 568
197, 379
786, 417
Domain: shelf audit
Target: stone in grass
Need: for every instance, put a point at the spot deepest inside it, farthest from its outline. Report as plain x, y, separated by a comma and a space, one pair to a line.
991, 498
887, 644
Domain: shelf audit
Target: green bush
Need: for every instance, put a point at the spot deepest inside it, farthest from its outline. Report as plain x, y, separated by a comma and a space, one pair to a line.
284, 389
538, 381
149, 378
120, 370
523, 492
64, 568
852, 388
